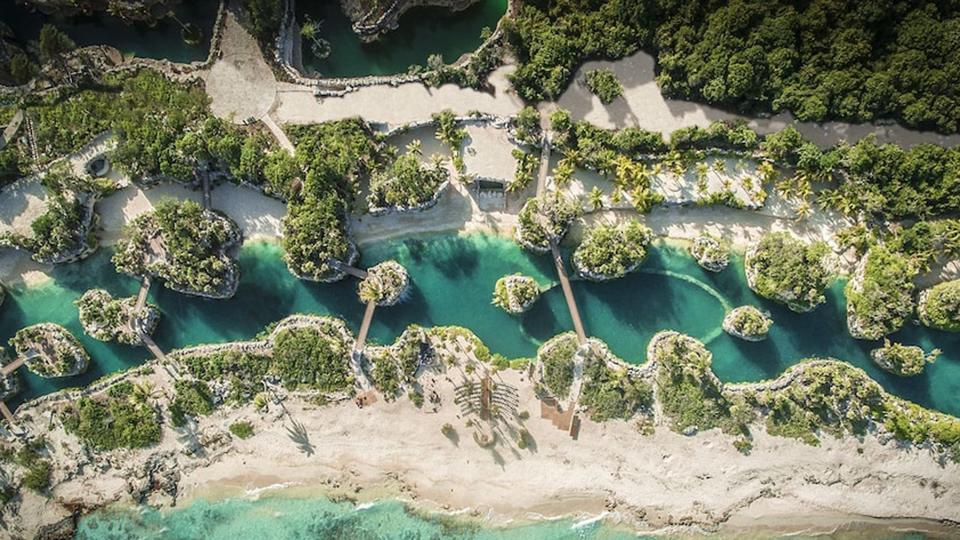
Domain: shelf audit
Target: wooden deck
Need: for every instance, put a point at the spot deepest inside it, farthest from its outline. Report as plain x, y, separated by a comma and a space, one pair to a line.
568, 293
365, 326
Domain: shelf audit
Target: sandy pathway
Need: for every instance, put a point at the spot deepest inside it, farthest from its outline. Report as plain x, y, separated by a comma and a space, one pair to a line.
644, 106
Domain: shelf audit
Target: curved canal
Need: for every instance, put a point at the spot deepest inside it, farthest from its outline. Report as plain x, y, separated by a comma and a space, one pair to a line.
454, 277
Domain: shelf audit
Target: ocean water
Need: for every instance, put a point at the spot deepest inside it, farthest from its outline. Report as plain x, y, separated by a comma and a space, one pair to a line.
453, 278
422, 31
280, 518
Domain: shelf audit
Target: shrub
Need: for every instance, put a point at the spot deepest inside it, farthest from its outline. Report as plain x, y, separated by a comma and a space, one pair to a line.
241, 429
120, 420
515, 293
556, 357
604, 84
939, 306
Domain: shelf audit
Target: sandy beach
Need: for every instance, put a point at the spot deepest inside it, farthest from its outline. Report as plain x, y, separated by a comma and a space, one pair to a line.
663, 482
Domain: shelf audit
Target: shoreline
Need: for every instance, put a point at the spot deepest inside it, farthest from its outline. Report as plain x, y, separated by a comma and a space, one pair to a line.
771, 525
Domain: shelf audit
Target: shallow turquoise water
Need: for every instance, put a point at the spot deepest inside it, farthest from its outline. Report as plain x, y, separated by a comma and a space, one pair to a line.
453, 280
423, 31
277, 518
162, 40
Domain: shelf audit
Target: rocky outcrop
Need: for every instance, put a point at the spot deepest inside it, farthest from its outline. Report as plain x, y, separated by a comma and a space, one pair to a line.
128, 10
710, 253
370, 23
747, 323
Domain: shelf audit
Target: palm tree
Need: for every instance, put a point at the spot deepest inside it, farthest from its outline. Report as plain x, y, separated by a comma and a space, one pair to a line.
719, 165
416, 147
596, 198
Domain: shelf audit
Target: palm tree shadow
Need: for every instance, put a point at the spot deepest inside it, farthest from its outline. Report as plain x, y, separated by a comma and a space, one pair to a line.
298, 434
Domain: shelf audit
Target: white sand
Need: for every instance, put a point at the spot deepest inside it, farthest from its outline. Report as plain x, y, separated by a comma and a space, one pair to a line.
395, 105
652, 482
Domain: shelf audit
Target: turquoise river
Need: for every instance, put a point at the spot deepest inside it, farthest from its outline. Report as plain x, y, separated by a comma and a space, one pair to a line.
422, 31
454, 276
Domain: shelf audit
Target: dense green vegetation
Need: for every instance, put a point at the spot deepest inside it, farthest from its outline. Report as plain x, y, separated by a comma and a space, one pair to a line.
386, 284
527, 164
526, 127
556, 358
903, 360
880, 294
407, 183
604, 84
515, 293
450, 133
64, 231
788, 270
611, 251
243, 372
264, 17
397, 365
121, 419
546, 219
311, 359
334, 158
747, 322
846, 59
940, 306
185, 245
613, 394
191, 398
690, 394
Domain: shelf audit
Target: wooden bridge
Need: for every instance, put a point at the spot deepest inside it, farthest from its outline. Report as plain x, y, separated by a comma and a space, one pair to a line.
568, 292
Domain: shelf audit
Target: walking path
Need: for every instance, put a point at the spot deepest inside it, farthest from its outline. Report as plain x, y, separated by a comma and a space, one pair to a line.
278, 133
12, 366
568, 293
544, 164
365, 326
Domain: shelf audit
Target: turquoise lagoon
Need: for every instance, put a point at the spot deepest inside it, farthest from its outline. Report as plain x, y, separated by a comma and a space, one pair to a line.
453, 278
280, 518
423, 31
162, 40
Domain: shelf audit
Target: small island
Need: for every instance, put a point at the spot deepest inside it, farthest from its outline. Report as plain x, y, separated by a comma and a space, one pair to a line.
939, 306
51, 349
106, 318
612, 251
787, 270
710, 253
747, 323
902, 360
516, 293
386, 284
189, 247
544, 220
880, 294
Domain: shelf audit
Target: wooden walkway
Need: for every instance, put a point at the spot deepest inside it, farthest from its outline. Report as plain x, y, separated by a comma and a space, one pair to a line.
142, 294
12, 366
7, 414
568, 293
544, 164
346, 268
365, 326
278, 133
